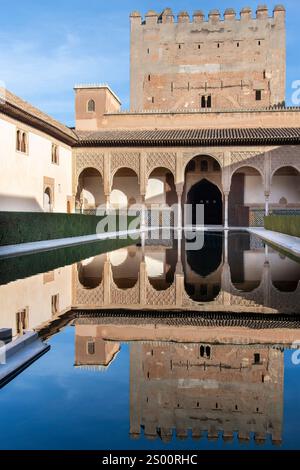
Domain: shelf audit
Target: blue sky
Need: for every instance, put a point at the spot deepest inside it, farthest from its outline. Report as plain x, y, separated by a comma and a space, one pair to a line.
48, 46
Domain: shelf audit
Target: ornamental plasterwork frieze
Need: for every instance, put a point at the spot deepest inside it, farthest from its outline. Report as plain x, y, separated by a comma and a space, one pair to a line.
90, 160
125, 160
255, 159
161, 159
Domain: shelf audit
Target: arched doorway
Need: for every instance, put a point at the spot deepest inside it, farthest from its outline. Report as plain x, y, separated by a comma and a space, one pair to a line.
47, 200
207, 194
203, 268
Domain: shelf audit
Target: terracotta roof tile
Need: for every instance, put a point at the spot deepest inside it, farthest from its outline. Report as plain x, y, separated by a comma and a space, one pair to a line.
14, 106
189, 137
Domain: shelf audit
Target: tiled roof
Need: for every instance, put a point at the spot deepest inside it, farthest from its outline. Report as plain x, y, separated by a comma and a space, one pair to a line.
189, 137
19, 109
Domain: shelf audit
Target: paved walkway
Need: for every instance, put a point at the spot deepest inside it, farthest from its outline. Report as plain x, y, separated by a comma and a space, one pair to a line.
47, 245
287, 242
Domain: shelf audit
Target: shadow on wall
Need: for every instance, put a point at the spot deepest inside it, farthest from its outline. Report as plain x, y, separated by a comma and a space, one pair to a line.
19, 204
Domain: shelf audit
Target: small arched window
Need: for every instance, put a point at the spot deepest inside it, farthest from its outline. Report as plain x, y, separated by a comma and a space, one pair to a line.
91, 348
24, 143
204, 165
91, 106
54, 154
191, 166
203, 102
18, 141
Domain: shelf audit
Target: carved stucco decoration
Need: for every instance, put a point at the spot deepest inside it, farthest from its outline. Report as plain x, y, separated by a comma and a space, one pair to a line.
126, 297
254, 159
92, 297
160, 298
125, 160
285, 158
287, 302
90, 160
161, 159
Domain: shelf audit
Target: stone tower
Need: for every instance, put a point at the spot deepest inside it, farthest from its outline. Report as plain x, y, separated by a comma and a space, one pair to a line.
219, 63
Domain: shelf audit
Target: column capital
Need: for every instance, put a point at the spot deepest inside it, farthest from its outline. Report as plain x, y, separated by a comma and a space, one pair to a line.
179, 189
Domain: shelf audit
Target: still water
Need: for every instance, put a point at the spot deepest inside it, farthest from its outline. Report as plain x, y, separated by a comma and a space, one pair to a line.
155, 346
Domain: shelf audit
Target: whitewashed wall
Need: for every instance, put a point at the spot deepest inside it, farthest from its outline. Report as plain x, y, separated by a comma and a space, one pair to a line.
22, 175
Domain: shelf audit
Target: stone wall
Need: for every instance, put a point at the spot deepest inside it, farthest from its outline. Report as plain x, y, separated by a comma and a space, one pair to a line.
176, 63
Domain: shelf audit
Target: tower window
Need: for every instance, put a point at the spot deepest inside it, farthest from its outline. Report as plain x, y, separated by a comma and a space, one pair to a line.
199, 46
91, 349
258, 95
152, 99
91, 106
206, 101
205, 351
218, 45
237, 44
148, 51
149, 78
259, 43
256, 358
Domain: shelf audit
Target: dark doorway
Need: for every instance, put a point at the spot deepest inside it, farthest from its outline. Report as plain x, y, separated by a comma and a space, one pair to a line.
210, 196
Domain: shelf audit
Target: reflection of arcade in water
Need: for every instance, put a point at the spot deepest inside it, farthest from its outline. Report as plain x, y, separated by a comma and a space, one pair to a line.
232, 272
189, 379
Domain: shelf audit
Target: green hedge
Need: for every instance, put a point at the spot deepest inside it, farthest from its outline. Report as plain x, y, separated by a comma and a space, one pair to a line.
24, 227
288, 224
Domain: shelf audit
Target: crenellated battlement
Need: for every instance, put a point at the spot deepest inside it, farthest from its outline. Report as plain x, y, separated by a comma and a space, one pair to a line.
214, 16
151, 432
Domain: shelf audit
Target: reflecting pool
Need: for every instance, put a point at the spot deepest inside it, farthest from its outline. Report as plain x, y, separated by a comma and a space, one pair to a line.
154, 346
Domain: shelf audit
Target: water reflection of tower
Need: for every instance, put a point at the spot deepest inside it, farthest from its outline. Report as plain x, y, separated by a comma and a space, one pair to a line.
206, 388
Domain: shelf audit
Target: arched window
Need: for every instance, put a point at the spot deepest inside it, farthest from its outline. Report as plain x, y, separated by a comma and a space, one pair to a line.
204, 165
18, 141
91, 106
91, 348
54, 158
21, 141
24, 143
191, 166
206, 101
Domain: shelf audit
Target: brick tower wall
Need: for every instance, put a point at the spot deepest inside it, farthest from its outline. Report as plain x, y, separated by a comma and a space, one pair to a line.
179, 64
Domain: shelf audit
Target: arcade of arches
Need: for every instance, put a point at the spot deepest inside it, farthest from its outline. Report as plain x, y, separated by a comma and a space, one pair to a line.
238, 194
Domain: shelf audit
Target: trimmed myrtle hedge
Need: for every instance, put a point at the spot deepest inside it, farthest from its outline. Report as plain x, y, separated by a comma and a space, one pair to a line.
24, 227
288, 224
